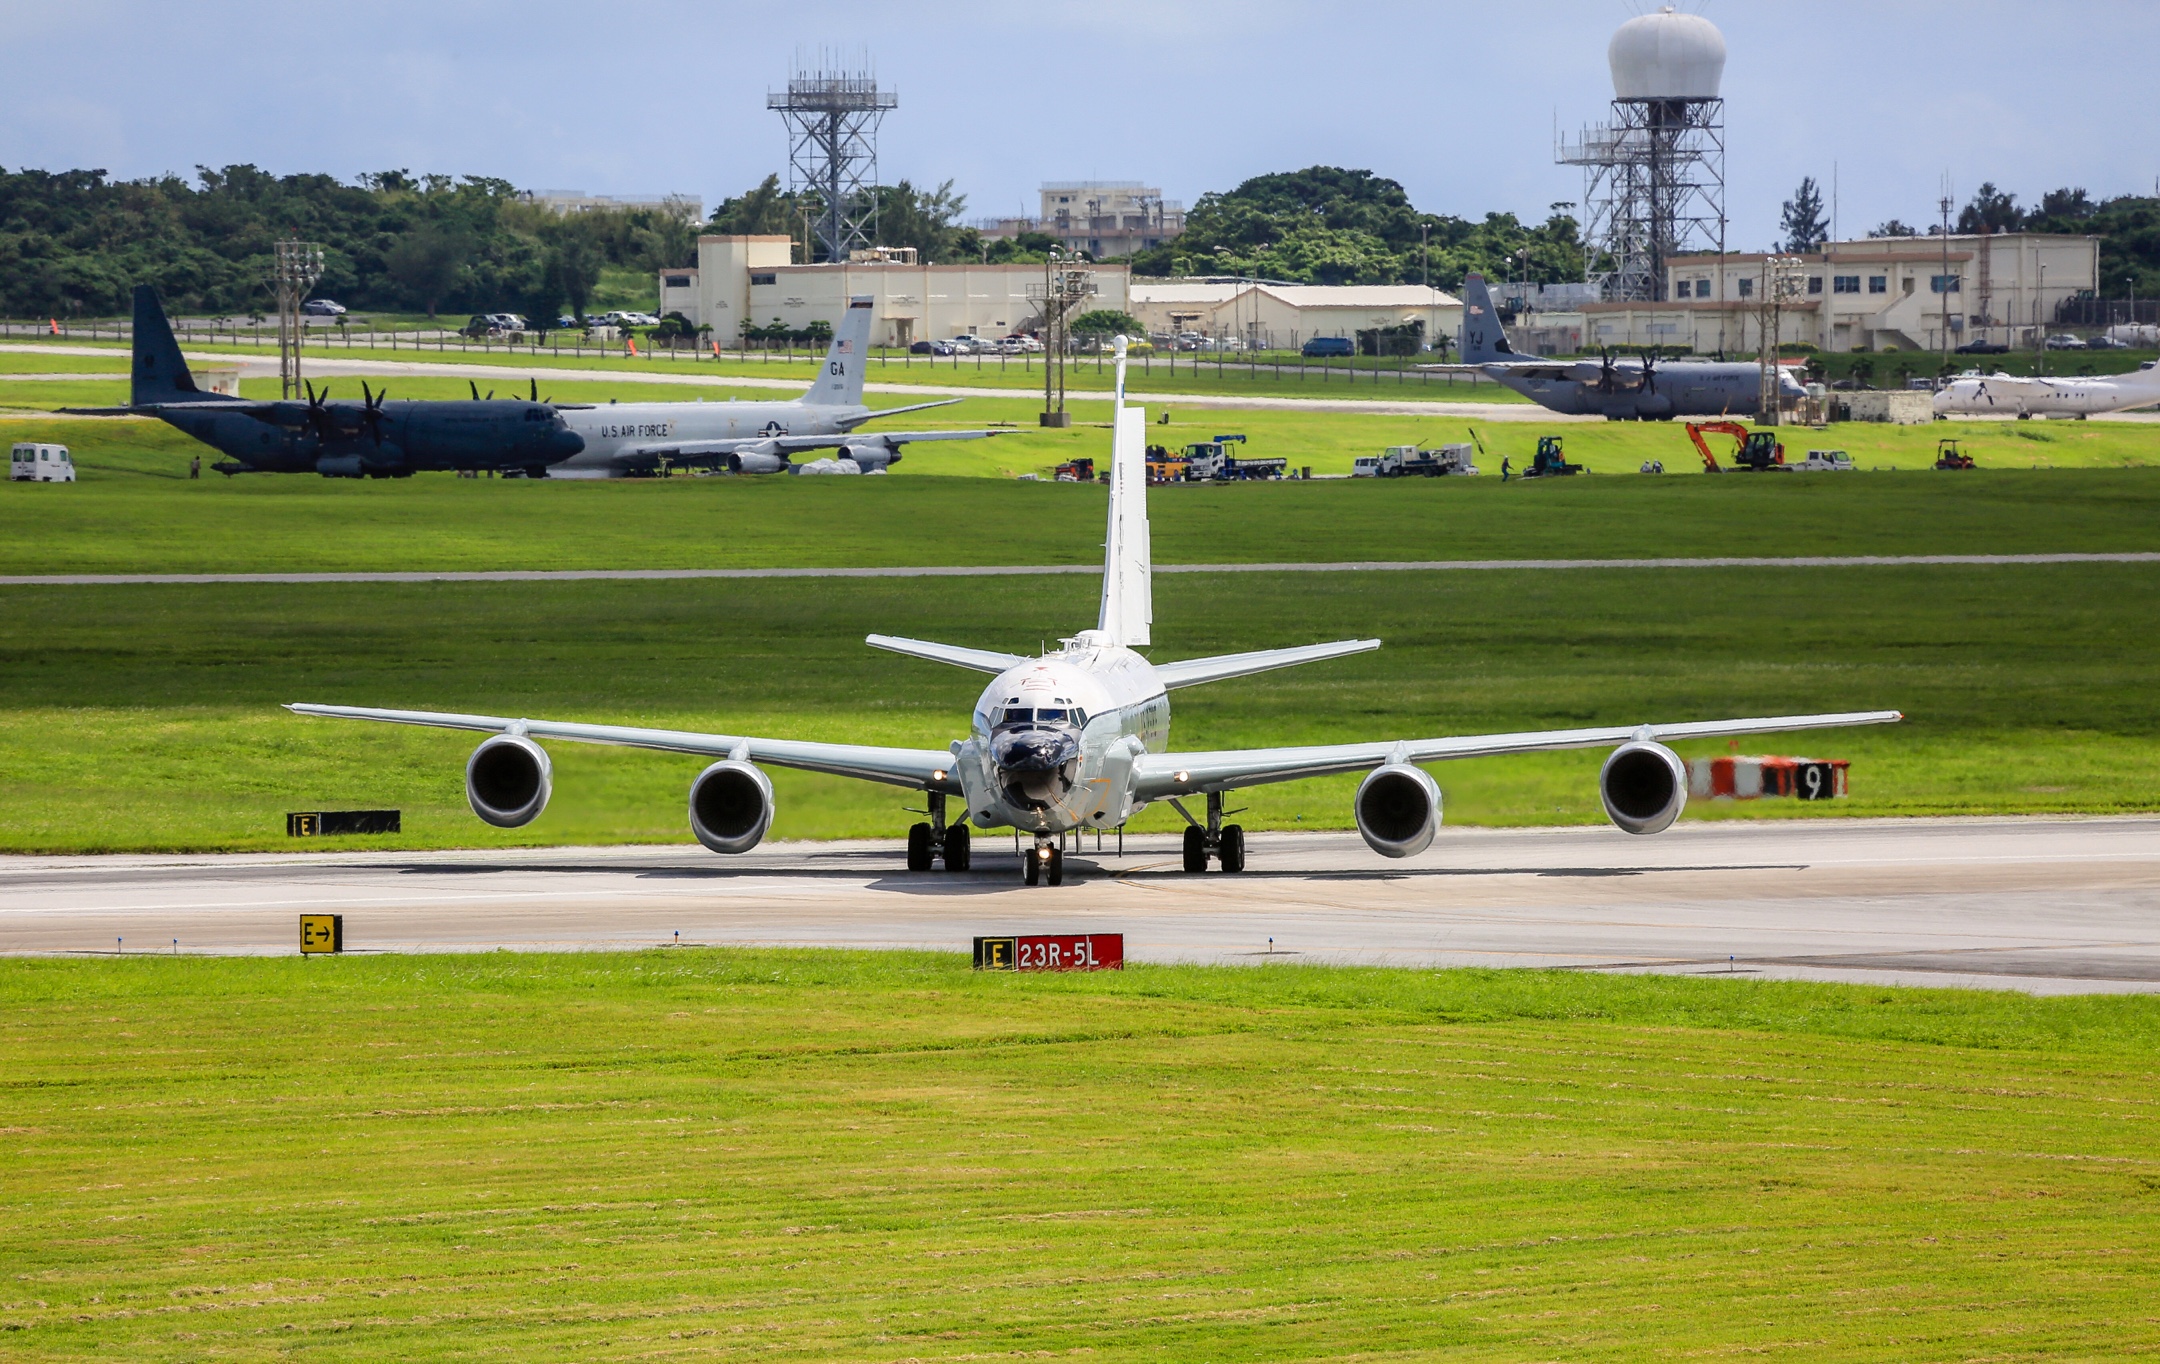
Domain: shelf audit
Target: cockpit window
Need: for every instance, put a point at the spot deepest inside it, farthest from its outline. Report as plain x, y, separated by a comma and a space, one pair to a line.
1041, 715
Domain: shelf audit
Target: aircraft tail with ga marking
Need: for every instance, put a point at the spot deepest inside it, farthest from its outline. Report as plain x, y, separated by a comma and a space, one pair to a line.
840, 383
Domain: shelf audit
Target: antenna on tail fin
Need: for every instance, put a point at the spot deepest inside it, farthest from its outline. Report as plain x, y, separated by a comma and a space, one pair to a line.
1128, 596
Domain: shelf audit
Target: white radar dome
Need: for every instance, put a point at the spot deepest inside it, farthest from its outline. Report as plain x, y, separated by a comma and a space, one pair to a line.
1667, 55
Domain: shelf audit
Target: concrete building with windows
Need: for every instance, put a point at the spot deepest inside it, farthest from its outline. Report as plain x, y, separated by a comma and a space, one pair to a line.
1101, 217
750, 281
1264, 316
1874, 294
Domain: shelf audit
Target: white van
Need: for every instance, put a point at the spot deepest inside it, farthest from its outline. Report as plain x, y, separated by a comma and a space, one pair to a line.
31, 463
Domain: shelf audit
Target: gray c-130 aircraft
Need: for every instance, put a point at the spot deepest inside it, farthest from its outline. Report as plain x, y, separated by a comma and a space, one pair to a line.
1634, 388
373, 438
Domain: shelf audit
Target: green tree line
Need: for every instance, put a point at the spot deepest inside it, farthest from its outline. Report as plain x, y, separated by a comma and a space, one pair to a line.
75, 243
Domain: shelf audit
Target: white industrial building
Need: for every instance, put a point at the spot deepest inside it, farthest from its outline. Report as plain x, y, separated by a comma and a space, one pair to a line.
750, 280
1875, 294
1265, 316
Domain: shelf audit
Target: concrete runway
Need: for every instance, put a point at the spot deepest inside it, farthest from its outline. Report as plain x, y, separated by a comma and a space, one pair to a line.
2041, 905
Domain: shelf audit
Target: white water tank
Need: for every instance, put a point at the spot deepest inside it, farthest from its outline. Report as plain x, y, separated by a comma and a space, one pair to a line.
1667, 55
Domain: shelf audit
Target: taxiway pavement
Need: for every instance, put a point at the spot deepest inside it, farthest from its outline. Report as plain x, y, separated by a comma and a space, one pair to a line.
2042, 905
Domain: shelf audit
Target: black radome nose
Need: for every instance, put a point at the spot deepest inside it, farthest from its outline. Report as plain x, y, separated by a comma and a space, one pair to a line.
1034, 750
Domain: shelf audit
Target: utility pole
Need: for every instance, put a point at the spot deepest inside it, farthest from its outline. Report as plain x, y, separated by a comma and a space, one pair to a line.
298, 265
1943, 281
1781, 279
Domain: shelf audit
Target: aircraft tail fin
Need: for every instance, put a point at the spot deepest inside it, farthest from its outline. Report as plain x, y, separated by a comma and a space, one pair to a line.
160, 373
1128, 595
1484, 340
840, 383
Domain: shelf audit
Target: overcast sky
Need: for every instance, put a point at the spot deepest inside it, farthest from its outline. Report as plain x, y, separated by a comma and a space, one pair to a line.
1457, 101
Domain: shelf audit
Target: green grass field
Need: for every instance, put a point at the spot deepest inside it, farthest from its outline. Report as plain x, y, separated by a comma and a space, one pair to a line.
146, 717
697, 1154
135, 511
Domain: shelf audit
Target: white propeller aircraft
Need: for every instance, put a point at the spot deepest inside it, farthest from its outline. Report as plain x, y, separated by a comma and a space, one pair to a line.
758, 437
1079, 739
2004, 395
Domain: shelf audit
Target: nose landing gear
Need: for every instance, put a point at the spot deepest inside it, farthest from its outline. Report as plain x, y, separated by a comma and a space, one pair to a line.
926, 843
1043, 862
1225, 843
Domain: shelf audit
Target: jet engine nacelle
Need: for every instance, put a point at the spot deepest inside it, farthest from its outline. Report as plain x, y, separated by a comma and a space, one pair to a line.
870, 453
757, 460
731, 806
1398, 807
1644, 787
508, 780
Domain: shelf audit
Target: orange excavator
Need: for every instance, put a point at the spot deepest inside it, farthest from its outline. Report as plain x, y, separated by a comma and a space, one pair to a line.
1753, 452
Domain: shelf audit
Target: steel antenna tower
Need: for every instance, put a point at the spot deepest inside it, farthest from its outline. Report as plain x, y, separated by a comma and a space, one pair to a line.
298, 265
832, 117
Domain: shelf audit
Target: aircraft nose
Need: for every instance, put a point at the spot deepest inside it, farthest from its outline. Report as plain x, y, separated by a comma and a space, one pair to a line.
568, 442
1034, 750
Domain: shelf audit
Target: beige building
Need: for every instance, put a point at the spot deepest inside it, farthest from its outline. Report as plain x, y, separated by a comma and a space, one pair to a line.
741, 280
1285, 316
1874, 294
1100, 217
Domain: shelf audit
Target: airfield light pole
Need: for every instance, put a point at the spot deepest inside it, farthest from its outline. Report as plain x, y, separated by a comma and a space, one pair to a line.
298, 266
1781, 280
1066, 282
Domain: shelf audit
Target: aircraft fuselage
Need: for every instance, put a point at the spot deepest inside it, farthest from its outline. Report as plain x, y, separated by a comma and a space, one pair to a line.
1052, 742
416, 436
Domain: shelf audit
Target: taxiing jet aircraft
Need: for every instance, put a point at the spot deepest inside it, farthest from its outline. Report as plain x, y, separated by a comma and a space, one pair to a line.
1079, 738
2002, 395
368, 439
756, 438
1631, 389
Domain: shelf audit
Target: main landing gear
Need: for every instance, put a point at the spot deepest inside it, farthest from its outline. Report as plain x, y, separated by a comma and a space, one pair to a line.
1223, 842
926, 843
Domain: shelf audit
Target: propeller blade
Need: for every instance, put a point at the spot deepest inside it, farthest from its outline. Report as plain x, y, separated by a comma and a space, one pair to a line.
475, 389
491, 395
536, 388
367, 399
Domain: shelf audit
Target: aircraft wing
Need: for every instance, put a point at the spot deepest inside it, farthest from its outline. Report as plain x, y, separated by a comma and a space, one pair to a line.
250, 407
711, 451
1159, 775
922, 769
896, 411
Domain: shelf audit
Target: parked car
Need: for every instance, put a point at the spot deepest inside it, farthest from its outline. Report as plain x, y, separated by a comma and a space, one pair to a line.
322, 307
922, 348
2064, 341
565, 321
1983, 347
2106, 343
1321, 346
1017, 344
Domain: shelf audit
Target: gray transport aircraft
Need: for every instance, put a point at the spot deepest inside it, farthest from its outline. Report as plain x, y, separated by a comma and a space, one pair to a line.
372, 438
1634, 388
622, 439
1079, 738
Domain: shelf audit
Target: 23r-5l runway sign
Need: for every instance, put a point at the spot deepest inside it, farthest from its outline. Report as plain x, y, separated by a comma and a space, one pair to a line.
1052, 952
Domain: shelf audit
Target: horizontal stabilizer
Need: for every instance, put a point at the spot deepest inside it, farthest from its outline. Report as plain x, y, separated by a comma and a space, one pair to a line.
1196, 670
981, 660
